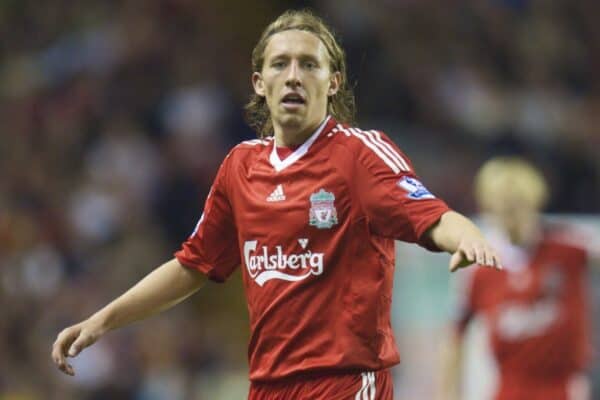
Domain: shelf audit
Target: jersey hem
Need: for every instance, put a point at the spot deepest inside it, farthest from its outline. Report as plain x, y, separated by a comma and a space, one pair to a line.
319, 373
203, 269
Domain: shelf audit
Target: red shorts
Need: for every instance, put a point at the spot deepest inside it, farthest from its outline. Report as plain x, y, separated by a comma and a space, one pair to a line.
361, 386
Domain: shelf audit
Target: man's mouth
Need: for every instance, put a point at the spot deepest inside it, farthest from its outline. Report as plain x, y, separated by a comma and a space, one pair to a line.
293, 99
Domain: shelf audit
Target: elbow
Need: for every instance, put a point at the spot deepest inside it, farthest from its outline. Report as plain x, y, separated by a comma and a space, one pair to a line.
440, 233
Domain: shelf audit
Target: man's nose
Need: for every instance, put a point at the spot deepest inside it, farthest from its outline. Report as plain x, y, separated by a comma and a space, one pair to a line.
293, 76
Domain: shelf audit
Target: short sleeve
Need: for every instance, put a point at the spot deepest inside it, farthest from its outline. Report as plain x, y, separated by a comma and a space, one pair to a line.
212, 248
395, 201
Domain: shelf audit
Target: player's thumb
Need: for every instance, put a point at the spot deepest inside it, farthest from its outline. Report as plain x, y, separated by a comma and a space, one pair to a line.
455, 261
78, 345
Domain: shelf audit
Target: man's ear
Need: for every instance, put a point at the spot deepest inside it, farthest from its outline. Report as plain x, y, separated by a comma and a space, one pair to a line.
335, 80
258, 84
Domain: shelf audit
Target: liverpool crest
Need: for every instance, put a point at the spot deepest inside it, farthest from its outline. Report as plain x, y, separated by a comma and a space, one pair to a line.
322, 214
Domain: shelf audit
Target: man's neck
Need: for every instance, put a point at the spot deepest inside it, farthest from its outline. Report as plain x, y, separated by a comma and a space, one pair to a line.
293, 136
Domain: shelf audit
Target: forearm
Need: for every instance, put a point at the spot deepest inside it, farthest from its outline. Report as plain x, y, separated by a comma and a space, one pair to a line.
451, 229
164, 287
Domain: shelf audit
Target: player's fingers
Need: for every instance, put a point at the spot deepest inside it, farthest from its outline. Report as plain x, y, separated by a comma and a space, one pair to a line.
57, 357
491, 258
84, 340
480, 256
69, 370
497, 262
488, 257
66, 368
469, 253
60, 346
60, 360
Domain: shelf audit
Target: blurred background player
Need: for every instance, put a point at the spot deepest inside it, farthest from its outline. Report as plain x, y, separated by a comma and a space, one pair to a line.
309, 212
536, 309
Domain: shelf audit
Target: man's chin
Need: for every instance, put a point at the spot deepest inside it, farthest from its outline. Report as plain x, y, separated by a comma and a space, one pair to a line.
292, 119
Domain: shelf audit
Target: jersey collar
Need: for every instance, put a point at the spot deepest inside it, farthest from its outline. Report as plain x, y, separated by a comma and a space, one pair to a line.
279, 165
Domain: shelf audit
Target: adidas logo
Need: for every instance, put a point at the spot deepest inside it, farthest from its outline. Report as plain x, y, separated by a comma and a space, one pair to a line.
277, 194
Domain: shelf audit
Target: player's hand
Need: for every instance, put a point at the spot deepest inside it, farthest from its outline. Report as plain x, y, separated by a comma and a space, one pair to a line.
474, 251
72, 340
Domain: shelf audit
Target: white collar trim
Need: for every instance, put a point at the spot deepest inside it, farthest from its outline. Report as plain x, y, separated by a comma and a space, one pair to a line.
298, 153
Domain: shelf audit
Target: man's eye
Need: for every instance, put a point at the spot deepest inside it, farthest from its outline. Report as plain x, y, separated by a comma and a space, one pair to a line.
278, 64
310, 65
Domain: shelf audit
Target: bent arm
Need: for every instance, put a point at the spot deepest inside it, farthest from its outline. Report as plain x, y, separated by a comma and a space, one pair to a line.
164, 287
457, 235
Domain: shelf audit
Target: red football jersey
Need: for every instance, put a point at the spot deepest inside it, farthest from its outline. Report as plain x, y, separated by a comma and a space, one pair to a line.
314, 234
535, 309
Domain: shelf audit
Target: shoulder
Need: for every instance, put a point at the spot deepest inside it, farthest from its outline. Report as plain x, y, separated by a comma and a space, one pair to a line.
370, 146
242, 155
567, 237
248, 149
252, 145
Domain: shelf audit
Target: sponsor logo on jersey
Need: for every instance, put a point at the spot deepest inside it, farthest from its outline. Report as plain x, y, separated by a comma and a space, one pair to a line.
414, 188
277, 194
263, 264
322, 213
516, 321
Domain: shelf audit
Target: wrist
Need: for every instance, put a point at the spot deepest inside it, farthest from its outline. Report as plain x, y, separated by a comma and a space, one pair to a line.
101, 321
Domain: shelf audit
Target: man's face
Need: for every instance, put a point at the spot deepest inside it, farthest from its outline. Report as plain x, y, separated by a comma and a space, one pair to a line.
513, 208
296, 79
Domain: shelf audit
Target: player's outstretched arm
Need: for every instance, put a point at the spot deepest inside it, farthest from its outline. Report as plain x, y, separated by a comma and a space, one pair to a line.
457, 235
164, 287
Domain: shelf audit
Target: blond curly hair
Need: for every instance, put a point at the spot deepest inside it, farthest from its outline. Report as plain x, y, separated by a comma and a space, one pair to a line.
341, 105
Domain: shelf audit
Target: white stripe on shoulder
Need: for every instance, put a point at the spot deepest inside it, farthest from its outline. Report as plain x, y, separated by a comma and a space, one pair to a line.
391, 150
388, 150
373, 140
340, 128
394, 167
255, 142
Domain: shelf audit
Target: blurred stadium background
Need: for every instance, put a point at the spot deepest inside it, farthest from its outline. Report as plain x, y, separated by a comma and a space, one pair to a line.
115, 115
